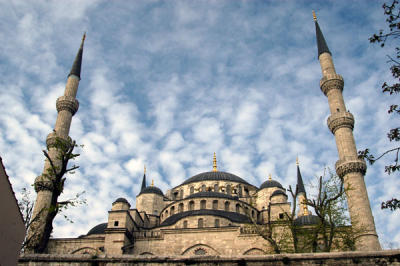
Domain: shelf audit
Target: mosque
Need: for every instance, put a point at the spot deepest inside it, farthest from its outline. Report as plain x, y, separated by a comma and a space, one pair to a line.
211, 213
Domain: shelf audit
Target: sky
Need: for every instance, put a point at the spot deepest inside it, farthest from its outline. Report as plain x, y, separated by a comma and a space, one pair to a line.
167, 83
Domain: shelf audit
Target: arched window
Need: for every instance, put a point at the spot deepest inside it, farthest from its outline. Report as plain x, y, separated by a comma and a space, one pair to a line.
216, 188
191, 190
216, 223
166, 213
202, 204
227, 206
240, 191
172, 211
238, 208
228, 189
203, 188
246, 210
253, 214
181, 194
200, 223
215, 205
191, 205
180, 207
246, 191
185, 224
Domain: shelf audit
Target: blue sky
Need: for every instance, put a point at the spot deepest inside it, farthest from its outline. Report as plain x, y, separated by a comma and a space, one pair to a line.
167, 83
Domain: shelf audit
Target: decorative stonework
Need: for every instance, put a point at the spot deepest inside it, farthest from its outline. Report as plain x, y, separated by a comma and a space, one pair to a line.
352, 165
42, 183
339, 120
331, 81
67, 103
52, 138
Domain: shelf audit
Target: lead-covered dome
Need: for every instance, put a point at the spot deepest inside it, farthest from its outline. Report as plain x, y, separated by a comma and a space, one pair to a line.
215, 176
306, 220
151, 190
98, 229
271, 183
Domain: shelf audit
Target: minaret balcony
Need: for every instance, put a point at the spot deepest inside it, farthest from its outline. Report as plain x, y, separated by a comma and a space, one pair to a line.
350, 165
330, 82
340, 120
67, 103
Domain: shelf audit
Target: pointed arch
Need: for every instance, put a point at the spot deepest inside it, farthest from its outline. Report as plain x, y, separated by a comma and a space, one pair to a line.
254, 251
205, 250
86, 250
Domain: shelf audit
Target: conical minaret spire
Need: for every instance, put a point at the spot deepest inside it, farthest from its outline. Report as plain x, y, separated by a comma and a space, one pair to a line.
67, 105
321, 43
301, 192
349, 167
144, 180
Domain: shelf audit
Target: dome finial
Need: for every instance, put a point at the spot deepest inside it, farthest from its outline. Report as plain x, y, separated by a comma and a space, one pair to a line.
305, 210
152, 182
215, 163
144, 169
297, 160
270, 177
314, 15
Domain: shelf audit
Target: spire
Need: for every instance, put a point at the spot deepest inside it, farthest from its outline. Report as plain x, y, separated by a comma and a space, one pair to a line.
144, 180
321, 43
300, 184
215, 163
76, 67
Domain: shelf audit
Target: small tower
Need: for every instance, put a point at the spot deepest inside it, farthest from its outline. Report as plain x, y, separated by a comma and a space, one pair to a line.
349, 167
67, 105
150, 199
301, 193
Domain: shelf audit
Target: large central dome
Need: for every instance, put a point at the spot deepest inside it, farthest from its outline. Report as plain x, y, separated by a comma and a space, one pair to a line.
218, 176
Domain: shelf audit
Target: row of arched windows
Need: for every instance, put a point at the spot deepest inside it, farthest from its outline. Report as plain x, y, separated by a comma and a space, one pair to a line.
200, 223
203, 206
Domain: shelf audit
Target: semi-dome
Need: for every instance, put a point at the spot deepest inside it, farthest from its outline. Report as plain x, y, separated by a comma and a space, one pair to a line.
98, 229
277, 193
306, 220
271, 183
152, 190
217, 176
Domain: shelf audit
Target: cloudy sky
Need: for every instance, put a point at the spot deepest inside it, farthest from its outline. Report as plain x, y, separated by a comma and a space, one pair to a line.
167, 83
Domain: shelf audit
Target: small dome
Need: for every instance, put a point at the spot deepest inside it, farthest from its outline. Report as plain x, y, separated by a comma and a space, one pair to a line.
271, 183
123, 200
98, 229
278, 192
151, 190
215, 176
306, 220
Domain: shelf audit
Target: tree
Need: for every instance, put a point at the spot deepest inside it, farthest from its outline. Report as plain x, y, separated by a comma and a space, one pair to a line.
330, 231
392, 13
55, 175
333, 229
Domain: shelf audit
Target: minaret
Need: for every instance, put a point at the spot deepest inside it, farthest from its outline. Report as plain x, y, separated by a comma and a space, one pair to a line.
67, 105
301, 193
349, 167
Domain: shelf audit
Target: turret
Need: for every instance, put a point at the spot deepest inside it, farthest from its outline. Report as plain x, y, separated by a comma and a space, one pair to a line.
67, 105
301, 193
349, 167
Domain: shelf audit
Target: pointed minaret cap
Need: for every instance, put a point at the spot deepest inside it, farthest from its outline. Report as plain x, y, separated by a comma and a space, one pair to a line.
215, 163
144, 180
321, 43
300, 184
76, 66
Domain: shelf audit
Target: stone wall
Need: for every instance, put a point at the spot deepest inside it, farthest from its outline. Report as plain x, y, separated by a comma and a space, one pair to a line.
387, 257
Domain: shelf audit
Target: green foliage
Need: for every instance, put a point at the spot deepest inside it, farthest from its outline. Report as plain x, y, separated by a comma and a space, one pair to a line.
392, 13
